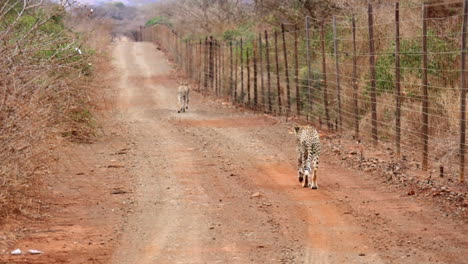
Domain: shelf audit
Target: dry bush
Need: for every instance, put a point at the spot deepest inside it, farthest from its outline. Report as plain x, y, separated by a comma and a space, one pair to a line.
43, 91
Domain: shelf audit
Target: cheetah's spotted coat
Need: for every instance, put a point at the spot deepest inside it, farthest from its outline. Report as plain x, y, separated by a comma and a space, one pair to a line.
308, 150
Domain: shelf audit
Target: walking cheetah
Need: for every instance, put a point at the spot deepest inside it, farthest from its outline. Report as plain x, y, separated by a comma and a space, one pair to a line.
308, 150
183, 97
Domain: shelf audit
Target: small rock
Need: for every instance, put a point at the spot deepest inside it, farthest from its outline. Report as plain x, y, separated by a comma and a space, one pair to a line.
411, 192
118, 191
362, 254
256, 194
16, 252
35, 251
115, 166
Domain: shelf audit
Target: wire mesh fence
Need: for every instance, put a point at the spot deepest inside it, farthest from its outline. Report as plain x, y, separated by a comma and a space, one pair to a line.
396, 78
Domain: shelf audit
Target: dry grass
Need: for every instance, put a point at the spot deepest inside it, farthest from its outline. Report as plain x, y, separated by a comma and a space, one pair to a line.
44, 85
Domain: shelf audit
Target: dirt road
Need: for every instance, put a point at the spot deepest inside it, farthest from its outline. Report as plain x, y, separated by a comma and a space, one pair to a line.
218, 185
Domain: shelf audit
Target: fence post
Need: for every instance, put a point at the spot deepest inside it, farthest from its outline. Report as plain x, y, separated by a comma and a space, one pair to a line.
425, 99
255, 54
397, 81
236, 76
296, 73
211, 73
372, 71
220, 66
278, 84
214, 70
189, 58
248, 76
355, 84
221, 63
463, 94
262, 88
216, 66
324, 77
337, 71
286, 71
230, 70
309, 70
267, 51
206, 70
242, 70
220, 70
200, 64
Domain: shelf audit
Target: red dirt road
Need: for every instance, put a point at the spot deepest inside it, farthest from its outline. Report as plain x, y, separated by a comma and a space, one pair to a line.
219, 185
196, 174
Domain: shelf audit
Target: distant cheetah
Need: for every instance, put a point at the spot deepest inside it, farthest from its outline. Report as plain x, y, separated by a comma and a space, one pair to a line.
183, 97
308, 150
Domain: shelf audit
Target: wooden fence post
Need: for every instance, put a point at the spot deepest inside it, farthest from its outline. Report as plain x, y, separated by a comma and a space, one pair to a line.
200, 65
255, 54
248, 76
278, 84
355, 84
215, 68
296, 73
286, 71
324, 77
230, 70
242, 70
236, 67
425, 98
309, 68
397, 81
262, 88
463, 94
218, 67
211, 56
267, 51
337, 73
206, 68
372, 70
222, 62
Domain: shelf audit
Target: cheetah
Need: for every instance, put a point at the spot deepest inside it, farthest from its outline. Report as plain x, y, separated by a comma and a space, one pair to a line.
183, 97
308, 150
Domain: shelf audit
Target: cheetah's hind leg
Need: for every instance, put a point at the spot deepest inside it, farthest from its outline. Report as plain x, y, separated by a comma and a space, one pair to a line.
300, 175
314, 180
305, 181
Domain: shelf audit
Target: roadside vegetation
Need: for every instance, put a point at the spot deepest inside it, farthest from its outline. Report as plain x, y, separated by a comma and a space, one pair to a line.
46, 72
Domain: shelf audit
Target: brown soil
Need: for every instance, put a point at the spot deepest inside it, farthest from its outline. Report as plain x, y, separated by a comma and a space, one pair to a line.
218, 185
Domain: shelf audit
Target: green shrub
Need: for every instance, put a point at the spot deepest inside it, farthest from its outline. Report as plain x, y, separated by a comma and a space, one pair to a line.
159, 20
411, 61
